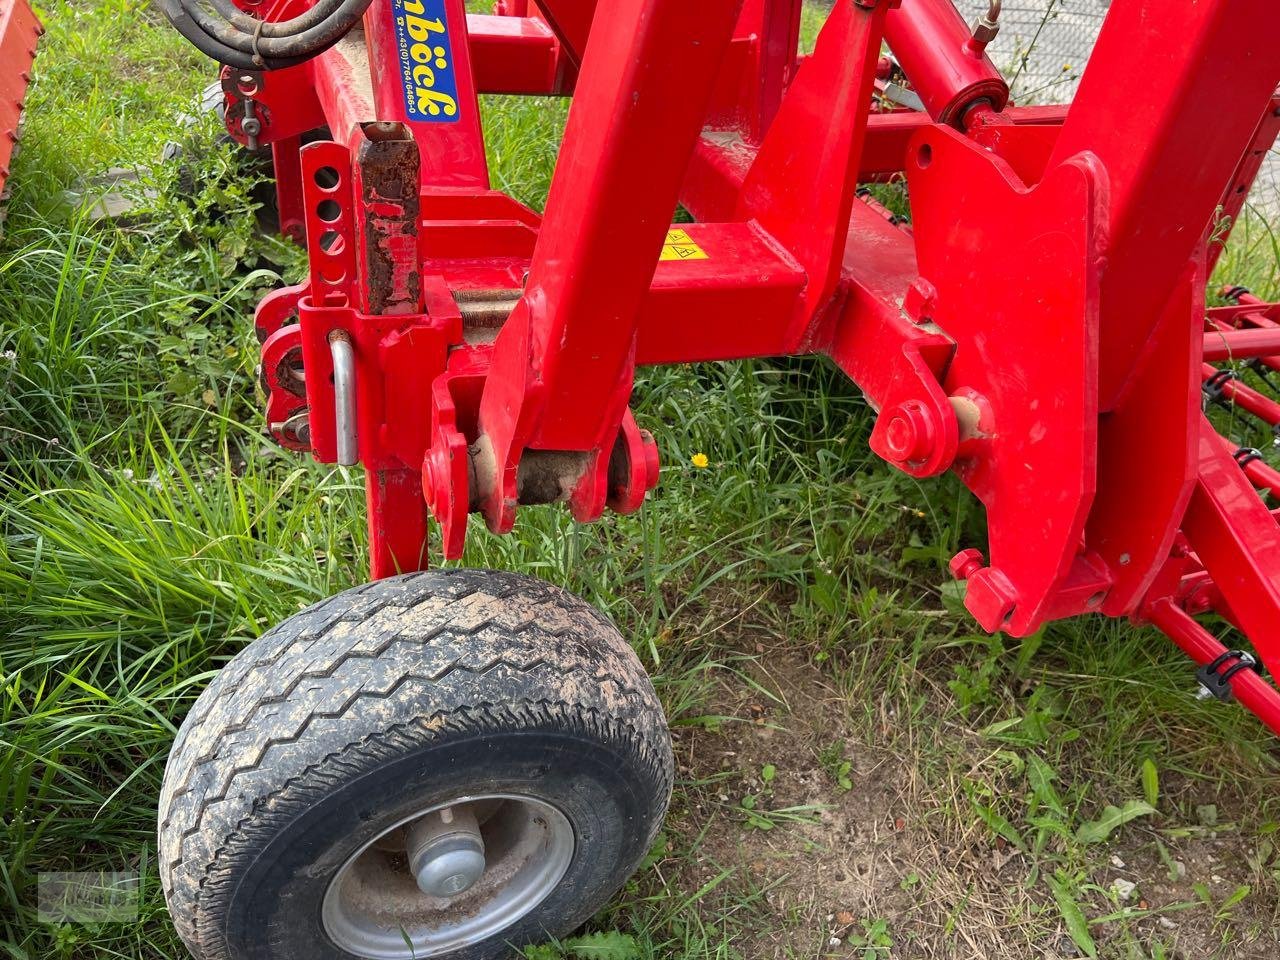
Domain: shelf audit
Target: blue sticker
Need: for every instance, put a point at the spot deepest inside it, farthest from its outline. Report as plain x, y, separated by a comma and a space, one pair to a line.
426, 60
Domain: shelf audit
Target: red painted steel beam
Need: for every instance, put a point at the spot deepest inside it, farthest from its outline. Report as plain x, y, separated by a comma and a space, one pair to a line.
1237, 194
1245, 397
446, 125
562, 365
770, 32
1249, 313
889, 133
359, 81
517, 55
732, 305
1235, 539
801, 186
1232, 344
343, 88
1201, 646
1247, 309
571, 20
1261, 474
721, 161
19, 32
1134, 521
1165, 177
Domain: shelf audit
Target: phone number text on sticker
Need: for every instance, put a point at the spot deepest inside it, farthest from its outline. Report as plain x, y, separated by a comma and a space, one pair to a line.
426, 60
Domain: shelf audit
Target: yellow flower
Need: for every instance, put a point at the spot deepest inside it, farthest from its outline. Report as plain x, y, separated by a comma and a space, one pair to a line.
700, 461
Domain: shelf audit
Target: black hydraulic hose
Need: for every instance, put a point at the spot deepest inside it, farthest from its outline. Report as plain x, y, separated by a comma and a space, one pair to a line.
211, 48
308, 42
255, 49
275, 28
345, 15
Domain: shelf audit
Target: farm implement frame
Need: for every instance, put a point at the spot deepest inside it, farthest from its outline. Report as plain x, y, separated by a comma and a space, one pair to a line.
1037, 328
450, 763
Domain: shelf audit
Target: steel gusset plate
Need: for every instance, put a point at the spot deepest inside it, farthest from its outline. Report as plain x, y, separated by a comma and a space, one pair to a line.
1015, 271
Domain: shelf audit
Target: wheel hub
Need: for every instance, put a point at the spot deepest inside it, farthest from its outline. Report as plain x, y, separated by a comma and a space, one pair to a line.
448, 877
446, 852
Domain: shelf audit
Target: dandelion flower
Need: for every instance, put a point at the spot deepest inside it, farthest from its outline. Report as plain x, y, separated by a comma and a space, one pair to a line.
700, 461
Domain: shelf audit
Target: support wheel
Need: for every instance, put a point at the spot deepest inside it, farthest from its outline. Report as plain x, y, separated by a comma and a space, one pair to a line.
444, 764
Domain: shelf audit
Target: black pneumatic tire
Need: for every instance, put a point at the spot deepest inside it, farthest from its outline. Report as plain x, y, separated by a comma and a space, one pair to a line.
359, 712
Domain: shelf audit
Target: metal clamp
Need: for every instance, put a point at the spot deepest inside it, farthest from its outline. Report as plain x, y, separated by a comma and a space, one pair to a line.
1218, 685
1247, 455
1214, 388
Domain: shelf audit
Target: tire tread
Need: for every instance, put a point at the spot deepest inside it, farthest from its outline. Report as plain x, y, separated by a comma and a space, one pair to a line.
440, 639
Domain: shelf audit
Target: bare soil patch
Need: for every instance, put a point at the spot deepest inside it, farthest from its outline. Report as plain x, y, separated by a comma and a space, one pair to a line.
892, 867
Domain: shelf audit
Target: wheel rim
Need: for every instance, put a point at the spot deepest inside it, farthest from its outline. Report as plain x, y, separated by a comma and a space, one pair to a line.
375, 909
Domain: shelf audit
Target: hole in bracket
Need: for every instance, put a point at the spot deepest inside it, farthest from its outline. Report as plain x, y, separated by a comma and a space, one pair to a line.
329, 210
331, 242
924, 156
327, 178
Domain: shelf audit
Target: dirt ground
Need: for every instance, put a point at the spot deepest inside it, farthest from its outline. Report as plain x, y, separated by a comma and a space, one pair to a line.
885, 868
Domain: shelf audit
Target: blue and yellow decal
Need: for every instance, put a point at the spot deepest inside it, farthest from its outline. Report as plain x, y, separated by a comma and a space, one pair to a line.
426, 60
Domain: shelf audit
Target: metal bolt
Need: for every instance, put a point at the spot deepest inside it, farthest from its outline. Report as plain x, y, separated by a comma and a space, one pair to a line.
966, 563
909, 432
251, 125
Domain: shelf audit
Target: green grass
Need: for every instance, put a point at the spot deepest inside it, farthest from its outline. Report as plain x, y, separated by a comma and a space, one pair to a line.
149, 532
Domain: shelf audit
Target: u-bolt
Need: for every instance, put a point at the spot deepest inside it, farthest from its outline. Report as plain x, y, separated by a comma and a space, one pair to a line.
344, 397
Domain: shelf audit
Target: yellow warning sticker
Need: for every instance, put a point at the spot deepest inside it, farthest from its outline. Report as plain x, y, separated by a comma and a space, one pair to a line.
679, 246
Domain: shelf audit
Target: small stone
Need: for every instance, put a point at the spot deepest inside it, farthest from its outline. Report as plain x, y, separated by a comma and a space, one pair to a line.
1117, 862
1066, 948
1166, 924
834, 942
1123, 888
844, 918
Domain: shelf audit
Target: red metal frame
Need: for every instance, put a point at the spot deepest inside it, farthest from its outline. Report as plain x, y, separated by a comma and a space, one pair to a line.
19, 32
1037, 328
